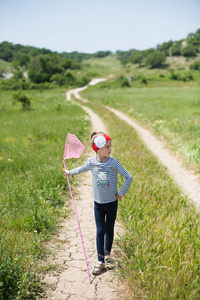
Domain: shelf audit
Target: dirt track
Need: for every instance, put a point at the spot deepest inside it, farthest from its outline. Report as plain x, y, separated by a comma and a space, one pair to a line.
72, 282
189, 182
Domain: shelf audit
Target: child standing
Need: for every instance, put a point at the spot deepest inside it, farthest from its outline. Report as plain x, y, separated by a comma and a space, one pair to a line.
104, 171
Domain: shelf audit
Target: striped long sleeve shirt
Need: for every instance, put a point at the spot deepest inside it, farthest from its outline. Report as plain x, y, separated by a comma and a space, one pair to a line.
104, 178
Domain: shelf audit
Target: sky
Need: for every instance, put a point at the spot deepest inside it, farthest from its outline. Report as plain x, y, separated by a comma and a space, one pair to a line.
89, 25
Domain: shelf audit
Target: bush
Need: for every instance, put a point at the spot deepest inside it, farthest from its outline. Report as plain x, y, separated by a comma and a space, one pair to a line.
156, 59
137, 58
70, 78
195, 65
144, 80
58, 79
181, 77
175, 50
18, 74
189, 51
124, 61
23, 99
123, 81
15, 282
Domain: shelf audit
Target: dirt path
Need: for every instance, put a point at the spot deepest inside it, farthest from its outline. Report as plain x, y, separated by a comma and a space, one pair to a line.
72, 281
189, 182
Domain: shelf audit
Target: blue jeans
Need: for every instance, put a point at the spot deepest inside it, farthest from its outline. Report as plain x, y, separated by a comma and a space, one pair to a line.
105, 216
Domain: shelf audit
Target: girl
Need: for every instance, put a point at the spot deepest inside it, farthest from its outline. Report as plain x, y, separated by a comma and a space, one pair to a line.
104, 171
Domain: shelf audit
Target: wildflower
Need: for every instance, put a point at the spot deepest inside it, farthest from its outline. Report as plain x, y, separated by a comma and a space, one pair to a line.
10, 160
159, 122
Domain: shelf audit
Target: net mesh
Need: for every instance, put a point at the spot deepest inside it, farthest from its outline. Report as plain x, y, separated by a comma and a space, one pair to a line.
73, 147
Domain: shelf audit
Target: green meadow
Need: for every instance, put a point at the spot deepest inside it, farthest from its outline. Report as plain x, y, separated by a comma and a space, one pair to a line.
4, 64
33, 186
172, 113
159, 248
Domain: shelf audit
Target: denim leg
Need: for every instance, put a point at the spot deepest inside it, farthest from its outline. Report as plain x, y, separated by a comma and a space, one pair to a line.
111, 214
101, 229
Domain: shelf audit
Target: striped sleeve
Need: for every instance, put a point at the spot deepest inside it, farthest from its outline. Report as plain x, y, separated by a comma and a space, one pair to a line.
128, 179
81, 169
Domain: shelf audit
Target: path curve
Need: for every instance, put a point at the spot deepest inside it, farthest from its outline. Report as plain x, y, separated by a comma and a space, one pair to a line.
72, 281
189, 182
76, 91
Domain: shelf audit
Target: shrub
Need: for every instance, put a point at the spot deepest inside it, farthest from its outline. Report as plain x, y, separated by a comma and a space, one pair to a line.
156, 59
23, 99
123, 81
181, 77
195, 65
144, 80
137, 58
58, 79
15, 282
175, 50
18, 75
189, 51
70, 78
124, 61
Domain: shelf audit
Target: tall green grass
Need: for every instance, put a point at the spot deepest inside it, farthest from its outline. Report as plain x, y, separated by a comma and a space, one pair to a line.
172, 113
32, 183
4, 64
160, 247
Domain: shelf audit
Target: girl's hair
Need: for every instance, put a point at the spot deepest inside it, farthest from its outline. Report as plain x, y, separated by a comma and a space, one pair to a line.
94, 135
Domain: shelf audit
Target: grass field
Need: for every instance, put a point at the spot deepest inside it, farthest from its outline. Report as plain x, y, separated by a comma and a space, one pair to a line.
4, 64
161, 241
110, 66
172, 113
33, 185
160, 247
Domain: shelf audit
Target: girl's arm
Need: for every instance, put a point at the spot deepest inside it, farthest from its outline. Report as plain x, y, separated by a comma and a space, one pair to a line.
128, 180
78, 170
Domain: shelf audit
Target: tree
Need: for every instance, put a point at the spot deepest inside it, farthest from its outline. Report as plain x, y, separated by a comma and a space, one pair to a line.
194, 38
165, 47
188, 50
124, 61
6, 52
101, 54
24, 60
18, 75
58, 79
156, 59
136, 58
195, 65
175, 50
43, 67
71, 64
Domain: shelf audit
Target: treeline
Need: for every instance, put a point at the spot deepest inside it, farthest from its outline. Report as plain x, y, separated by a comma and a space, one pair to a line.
22, 54
155, 57
43, 66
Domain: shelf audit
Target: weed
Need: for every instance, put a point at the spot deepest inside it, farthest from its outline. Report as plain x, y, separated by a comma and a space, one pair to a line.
33, 186
160, 246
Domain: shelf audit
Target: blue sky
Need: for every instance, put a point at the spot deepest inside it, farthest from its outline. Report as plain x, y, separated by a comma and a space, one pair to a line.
90, 25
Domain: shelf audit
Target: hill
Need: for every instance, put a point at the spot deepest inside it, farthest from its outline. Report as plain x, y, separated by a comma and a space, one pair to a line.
33, 66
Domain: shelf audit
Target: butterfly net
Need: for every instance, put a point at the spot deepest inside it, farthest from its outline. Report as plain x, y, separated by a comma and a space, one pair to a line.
73, 147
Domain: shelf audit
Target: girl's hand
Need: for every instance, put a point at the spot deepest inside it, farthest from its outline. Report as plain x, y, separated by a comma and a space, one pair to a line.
67, 172
118, 196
